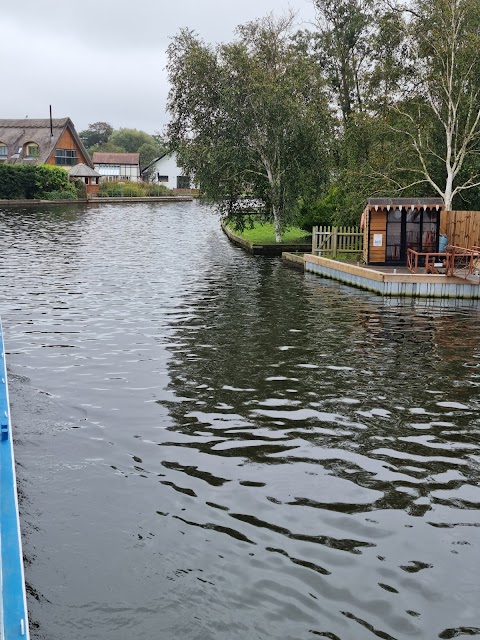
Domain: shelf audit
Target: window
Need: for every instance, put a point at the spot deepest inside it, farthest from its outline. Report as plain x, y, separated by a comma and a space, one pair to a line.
32, 150
66, 157
108, 178
183, 182
394, 235
108, 169
3, 150
162, 178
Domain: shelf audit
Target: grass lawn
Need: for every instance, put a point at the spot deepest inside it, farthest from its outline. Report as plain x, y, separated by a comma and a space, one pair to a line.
265, 234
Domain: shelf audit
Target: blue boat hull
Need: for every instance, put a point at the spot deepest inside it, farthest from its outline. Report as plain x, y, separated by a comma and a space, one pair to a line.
13, 605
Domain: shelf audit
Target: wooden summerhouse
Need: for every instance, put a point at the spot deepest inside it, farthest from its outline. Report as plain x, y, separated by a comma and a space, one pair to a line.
88, 176
393, 225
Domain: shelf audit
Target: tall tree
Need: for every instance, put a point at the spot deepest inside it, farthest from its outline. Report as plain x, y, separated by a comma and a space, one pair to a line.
440, 112
343, 48
97, 133
358, 49
136, 141
249, 117
130, 139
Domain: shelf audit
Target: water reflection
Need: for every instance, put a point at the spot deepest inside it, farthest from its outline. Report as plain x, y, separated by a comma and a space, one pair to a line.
268, 455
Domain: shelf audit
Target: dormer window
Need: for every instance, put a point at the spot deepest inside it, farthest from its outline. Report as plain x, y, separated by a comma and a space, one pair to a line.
3, 152
32, 150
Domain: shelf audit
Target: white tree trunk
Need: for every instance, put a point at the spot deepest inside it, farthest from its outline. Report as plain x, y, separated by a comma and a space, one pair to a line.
275, 199
453, 96
448, 194
276, 224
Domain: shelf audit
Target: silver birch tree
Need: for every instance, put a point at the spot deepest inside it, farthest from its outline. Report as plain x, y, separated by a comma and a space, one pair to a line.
441, 107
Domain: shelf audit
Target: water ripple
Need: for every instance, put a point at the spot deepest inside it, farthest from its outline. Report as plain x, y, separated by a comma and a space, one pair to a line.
216, 446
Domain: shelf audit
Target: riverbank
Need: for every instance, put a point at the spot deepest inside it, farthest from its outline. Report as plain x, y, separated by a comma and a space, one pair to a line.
15, 203
269, 250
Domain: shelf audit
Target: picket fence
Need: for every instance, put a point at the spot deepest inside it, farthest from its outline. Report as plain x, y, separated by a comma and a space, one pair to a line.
333, 242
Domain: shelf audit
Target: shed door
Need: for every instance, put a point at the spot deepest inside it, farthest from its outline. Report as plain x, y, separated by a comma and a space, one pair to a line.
410, 229
395, 233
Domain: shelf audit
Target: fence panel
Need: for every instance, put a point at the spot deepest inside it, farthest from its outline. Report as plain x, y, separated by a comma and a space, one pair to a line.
337, 241
462, 228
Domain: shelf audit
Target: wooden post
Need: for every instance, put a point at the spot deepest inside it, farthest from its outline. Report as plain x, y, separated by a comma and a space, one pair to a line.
334, 242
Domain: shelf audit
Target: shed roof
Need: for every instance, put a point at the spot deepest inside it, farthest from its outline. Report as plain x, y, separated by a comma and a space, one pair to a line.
18, 132
81, 170
404, 202
100, 157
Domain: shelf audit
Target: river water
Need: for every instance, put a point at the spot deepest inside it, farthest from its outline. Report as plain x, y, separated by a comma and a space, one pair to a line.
212, 446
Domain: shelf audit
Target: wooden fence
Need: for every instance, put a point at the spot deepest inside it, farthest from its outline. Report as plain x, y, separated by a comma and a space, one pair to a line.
334, 242
462, 228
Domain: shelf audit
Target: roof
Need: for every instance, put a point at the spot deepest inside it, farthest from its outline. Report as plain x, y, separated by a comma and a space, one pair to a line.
165, 153
82, 171
17, 133
99, 157
404, 202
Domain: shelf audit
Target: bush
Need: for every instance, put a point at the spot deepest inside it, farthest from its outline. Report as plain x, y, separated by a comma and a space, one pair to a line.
80, 188
49, 179
158, 190
17, 181
34, 181
333, 208
132, 190
60, 195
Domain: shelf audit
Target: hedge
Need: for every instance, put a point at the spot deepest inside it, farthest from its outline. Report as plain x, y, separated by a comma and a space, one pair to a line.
24, 181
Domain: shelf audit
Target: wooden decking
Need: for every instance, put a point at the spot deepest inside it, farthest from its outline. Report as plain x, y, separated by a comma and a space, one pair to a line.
394, 281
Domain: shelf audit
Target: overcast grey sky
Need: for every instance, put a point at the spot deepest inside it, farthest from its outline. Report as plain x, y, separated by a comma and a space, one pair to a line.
104, 60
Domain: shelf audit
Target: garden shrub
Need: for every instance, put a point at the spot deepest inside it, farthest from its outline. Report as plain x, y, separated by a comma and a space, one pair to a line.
17, 181
61, 195
335, 207
158, 190
132, 190
49, 179
25, 181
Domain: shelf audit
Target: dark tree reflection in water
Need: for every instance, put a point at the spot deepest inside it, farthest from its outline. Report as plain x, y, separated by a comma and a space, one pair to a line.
231, 449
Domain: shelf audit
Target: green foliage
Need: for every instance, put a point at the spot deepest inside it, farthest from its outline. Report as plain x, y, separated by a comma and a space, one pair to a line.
337, 206
342, 48
97, 134
80, 188
150, 151
319, 211
17, 181
34, 181
158, 190
69, 194
49, 178
249, 118
106, 147
128, 141
135, 141
132, 190
259, 232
